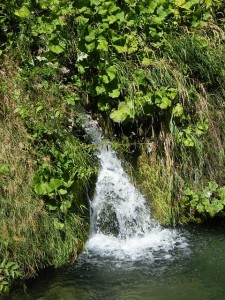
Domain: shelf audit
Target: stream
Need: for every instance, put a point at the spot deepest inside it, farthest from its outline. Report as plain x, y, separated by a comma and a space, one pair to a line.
129, 255
198, 273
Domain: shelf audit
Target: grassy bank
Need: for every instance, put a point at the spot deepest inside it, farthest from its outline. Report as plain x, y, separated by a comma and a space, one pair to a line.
44, 173
183, 159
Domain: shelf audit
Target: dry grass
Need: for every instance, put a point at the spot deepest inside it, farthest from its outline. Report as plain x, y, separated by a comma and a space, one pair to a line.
20, 209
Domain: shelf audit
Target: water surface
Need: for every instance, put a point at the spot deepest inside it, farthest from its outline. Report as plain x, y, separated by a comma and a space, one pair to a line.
196, 273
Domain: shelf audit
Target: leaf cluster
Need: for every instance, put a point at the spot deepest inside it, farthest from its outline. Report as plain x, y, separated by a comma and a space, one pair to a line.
9, 271
210, 201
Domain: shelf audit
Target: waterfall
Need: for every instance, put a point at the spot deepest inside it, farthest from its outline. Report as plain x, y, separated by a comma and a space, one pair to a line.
121, 223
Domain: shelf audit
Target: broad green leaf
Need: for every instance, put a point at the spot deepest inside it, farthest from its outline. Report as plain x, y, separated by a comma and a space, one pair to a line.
68, 203
130, 23
178, 110
4, 169
120, 16
68, 184
81, 56
55, 183
111, 19
121, 114
115, 93
82, 20
102, 43
188, 142
113, 8
120, 49
132, 43
179, 2
23, 12
165, 103
105, 79
90, 47
81, 69
213, 186
208, 3
100, 89
161, 15
111, 72
200, 208
96, 2
65, 206
130, 2
83, 9
91, 37
189, 192
102, 11
70, 100
172, 93
62, 191
222, 194
42, 188
105, 25
58, 224
56, 49
51, 207
118, 116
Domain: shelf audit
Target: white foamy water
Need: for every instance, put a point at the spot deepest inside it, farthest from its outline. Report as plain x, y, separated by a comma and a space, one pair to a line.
121, 223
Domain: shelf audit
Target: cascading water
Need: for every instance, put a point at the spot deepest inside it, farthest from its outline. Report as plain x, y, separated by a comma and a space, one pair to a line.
121, 224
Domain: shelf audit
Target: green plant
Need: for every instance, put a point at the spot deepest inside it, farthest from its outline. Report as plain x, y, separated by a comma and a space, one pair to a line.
44, 171
9, 271
210, 201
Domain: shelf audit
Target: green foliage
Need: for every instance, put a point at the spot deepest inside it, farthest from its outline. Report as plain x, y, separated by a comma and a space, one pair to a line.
95, 38
8, 271
209, 201
61, 179
4, 169
64, 166
45, 170
140, 104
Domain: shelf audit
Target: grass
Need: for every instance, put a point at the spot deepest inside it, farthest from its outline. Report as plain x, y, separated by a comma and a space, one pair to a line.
193, 63
154, 182
32, 236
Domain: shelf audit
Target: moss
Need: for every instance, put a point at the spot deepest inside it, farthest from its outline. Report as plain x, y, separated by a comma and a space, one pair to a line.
154, 183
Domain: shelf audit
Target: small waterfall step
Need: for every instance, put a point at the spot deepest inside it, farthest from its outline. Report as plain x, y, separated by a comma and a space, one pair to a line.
121, 223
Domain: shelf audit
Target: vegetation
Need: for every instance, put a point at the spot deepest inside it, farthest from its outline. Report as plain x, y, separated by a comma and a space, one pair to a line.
152, 71
44, 173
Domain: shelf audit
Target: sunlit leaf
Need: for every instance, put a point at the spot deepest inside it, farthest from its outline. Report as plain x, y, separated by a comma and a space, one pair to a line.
115, 93
178, 110
100, 89
56, 49
62, 191
102, 43
4, 169
111, 72
23, 12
